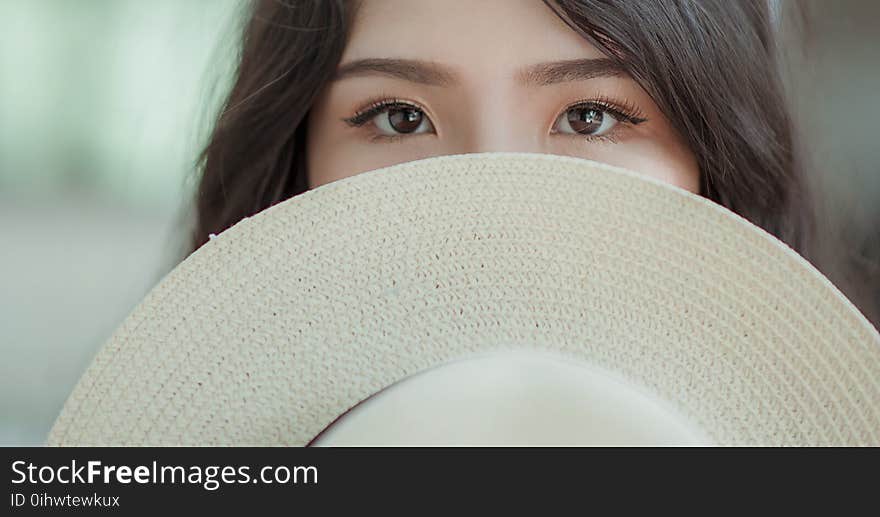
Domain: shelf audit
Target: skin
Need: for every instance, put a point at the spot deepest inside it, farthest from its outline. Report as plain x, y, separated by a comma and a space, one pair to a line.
483, 76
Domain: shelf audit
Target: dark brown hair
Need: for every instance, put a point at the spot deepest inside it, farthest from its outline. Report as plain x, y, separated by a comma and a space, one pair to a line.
708, 64
256, 153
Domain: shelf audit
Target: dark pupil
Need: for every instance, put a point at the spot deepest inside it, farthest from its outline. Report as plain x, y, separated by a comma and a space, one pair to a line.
405, 120
585, 120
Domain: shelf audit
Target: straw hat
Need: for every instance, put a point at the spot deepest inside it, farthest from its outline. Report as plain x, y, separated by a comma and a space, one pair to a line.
647, 303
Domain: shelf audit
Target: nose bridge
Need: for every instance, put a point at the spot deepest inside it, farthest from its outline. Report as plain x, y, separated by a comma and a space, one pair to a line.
497, 124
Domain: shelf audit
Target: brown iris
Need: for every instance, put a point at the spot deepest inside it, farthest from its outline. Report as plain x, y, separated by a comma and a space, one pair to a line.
585, 121
405, 120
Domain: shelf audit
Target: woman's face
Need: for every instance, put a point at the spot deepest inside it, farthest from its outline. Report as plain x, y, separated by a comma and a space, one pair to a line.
422, 78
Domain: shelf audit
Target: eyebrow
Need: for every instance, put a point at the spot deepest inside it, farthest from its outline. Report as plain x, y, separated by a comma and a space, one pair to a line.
435, 74
414, 71
544, 74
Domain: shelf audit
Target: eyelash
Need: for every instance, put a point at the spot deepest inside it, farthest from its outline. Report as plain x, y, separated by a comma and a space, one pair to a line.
377, 106
624, 111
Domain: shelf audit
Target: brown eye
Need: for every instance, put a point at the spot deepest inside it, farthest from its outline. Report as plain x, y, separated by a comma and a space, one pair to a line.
585, 121
402, 120
589, 121
405, 120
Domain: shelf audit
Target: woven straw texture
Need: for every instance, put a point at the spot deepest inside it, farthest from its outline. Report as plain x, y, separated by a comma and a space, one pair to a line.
276, 327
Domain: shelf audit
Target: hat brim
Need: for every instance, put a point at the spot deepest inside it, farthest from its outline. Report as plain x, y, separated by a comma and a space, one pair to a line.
273, 329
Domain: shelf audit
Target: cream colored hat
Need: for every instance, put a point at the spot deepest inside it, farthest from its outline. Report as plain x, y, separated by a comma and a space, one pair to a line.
646, 302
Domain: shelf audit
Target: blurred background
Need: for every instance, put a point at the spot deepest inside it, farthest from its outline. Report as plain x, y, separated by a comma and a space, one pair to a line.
105, 103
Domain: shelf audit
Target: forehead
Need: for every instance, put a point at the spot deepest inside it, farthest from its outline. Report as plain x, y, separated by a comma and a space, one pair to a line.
466, 34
